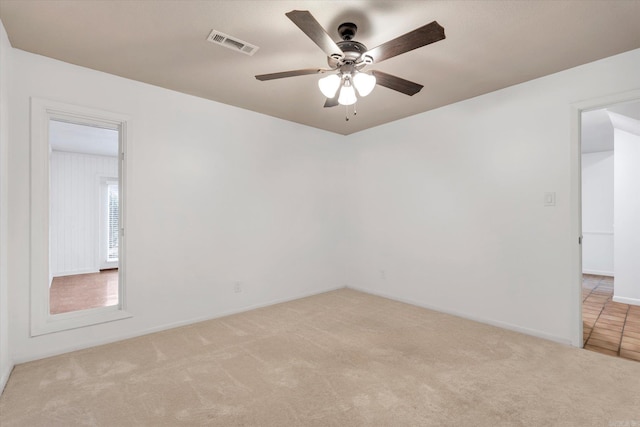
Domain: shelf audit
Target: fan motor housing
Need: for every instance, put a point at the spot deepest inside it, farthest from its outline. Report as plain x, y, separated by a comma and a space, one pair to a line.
352, 51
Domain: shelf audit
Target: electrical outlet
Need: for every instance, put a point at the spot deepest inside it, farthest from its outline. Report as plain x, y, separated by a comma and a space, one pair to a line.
237, 287
383, 275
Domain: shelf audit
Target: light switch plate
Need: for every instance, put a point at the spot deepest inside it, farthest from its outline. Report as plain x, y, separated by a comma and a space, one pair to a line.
550, 199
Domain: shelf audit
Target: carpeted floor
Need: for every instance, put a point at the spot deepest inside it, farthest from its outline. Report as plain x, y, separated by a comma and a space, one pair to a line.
343, 358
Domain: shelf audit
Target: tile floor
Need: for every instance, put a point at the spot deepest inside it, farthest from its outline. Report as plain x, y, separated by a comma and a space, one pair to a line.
83, 291
608, 327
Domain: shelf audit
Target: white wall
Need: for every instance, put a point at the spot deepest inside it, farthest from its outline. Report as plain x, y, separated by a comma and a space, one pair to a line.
216, 195
449, 203
6, 363
597, 213
627, 215
75, 211
443, 209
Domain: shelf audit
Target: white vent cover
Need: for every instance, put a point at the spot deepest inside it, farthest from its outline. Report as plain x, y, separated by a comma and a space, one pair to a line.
232, 43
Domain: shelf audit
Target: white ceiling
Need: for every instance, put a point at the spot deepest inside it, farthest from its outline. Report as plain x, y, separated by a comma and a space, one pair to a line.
77, 138
490, 44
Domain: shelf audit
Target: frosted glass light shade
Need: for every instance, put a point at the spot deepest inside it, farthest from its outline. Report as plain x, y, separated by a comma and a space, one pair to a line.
347, 95
364, 83
329, 85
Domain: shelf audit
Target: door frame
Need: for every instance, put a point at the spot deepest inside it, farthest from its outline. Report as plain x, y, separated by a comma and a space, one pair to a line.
576, 111
42, 112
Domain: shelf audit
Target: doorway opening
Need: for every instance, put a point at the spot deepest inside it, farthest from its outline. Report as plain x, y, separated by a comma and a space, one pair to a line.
84, 216
610, 152
77, 216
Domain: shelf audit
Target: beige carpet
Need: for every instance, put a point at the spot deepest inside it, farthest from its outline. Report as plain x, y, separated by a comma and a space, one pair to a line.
343, 358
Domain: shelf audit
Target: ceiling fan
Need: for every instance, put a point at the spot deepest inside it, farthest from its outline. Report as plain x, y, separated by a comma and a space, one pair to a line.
347, 58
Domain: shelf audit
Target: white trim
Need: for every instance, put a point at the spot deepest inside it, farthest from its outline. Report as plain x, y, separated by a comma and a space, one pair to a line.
575, 225
626, 300
605, 233
42, 111
102, 341
76, 272
497, 323
82, 318
598, 272
5, 377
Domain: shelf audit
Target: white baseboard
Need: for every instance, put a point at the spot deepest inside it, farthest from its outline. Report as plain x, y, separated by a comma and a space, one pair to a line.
497, 323
5, 377
75, 272
626, 300
598, 272
101, 341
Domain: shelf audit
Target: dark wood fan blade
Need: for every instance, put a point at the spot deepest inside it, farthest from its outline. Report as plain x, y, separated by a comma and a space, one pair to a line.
331, 102
291, 73
396, 83
308, 24
422, 36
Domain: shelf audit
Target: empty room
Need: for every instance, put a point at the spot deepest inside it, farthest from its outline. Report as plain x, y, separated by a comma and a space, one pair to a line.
319, 213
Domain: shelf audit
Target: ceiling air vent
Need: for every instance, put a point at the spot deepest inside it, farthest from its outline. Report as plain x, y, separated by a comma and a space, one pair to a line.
231, 43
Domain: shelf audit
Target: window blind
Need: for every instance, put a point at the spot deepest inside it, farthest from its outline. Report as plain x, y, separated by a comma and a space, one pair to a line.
113, 222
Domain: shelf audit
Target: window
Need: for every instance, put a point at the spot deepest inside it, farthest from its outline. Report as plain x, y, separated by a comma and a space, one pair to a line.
109, 223
112, 221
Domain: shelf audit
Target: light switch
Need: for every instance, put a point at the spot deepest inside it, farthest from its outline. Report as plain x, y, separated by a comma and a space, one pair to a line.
550, 199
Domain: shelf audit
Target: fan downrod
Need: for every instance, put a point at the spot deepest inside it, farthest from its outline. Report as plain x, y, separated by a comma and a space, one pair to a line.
347, 31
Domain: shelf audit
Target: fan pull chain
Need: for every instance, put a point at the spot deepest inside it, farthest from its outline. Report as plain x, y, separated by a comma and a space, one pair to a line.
355, 112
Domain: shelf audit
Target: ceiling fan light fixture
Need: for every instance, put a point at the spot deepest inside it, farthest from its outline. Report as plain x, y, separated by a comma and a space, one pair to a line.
347, 94
364, 83
329, 85
348, 57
